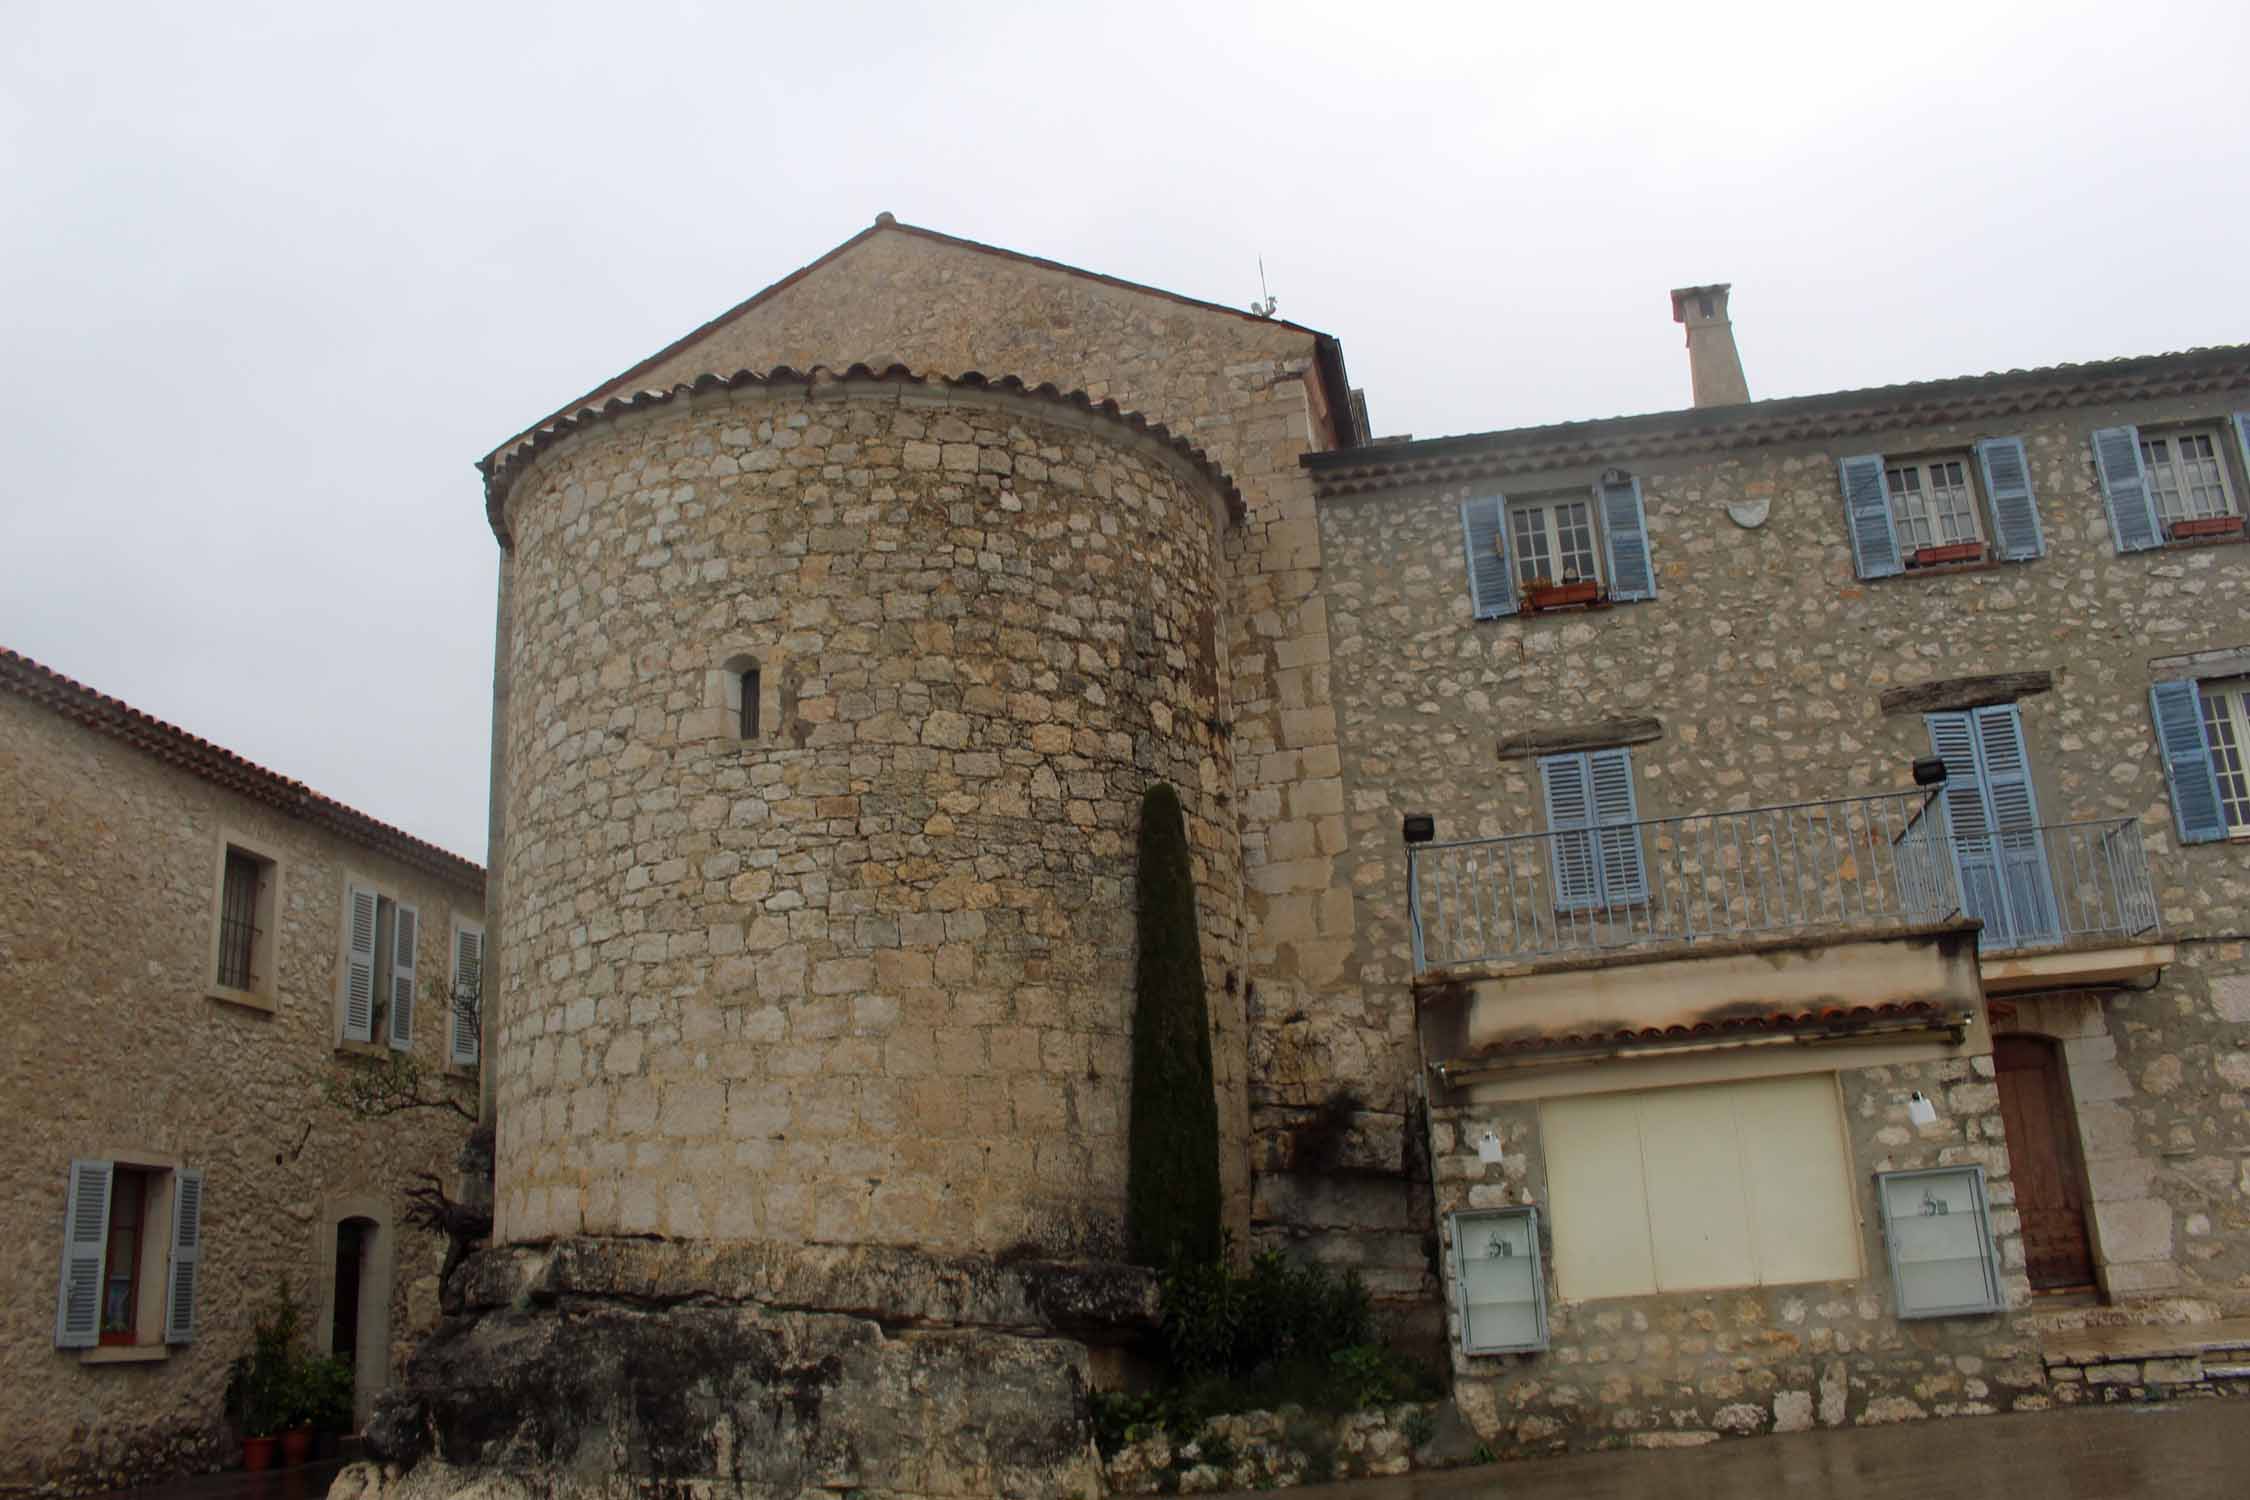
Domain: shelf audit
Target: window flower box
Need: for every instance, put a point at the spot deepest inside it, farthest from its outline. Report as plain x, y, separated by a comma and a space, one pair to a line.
1951, 552
1579, 594
2203, 528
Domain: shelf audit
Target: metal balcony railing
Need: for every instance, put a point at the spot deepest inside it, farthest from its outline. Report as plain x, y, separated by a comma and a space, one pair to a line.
1872, 861
1857, 861
2057, 883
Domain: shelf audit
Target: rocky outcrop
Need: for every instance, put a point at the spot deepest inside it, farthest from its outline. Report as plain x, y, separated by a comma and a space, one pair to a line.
755, 1370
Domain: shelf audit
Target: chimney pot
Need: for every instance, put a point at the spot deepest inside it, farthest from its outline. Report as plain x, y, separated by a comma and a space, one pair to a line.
1713, 363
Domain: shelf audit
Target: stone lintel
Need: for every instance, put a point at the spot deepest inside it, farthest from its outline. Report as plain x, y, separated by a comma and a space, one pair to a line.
1637, 730
1965, 692
2231, 661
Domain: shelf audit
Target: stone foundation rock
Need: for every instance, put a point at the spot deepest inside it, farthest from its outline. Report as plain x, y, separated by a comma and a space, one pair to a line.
604, 1366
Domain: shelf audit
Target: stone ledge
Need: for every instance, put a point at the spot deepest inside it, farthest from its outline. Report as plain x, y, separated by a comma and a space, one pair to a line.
896, 1287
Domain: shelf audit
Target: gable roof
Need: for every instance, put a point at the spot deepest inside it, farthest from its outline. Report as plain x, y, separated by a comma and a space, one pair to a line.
198, 757
1329, 352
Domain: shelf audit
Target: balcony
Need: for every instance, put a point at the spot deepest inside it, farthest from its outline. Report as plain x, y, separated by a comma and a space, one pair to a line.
1853, 864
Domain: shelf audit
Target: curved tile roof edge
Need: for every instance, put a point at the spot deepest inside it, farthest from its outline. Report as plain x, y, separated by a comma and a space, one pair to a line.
1783, 419
1779, 1022
169, 743
500, 475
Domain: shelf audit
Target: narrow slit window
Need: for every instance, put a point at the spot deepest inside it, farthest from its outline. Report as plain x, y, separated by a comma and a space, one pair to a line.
748, 686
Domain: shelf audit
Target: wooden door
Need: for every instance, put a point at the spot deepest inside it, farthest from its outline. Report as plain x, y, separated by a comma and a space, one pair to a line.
2043, 1159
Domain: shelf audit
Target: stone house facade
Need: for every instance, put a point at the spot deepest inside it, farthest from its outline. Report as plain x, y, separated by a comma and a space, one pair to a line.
178, 971
1798, 601
1717, 915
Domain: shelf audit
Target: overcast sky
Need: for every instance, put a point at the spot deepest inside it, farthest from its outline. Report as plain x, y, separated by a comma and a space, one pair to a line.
272, 276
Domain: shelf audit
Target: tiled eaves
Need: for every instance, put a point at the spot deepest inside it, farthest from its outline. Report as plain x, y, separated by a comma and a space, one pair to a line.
1702, 431
1829, 1021
221, 767
502, 472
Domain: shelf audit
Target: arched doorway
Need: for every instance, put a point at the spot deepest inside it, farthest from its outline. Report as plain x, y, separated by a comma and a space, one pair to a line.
354, 1321
2044, 1161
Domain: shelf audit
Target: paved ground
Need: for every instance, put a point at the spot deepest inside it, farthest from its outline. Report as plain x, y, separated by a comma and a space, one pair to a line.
2192, 1450
307, 1481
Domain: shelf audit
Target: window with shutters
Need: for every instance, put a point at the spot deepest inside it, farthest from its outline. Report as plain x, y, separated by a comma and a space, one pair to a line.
1559, 548
378, 993
132, 1258
1992, 822
466, 1010
242, 966
1593, 831
2203, 730
1945, 510
2173, 486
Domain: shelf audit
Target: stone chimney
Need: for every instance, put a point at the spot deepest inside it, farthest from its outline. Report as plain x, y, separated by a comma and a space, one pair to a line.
1712, 361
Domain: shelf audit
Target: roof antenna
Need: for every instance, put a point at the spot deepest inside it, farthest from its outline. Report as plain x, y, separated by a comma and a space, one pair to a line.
1265, 305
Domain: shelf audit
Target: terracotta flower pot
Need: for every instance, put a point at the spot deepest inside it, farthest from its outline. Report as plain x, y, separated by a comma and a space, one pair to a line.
1951, 552
1561, 595
296, 1445
2206, 526
257, 1453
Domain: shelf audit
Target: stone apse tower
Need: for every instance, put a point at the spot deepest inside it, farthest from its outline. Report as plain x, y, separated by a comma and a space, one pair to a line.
824, 705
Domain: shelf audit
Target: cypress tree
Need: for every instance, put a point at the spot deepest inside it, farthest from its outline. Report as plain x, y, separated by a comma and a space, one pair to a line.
1172, 1177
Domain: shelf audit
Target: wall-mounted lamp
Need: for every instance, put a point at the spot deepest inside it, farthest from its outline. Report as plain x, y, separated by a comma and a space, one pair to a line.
1488, 1149
1419, 828
1919, 1110
1929, 770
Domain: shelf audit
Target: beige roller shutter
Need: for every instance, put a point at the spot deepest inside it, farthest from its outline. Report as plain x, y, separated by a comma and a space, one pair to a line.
1687, 1189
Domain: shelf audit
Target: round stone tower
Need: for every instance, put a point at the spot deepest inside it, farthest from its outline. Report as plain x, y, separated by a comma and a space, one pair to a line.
832, 700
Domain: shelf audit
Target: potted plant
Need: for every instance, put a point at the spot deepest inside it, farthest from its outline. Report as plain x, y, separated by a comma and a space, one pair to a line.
328, 1401
262, 1384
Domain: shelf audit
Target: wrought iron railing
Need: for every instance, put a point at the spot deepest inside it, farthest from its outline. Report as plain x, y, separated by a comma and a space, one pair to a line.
1856, 861
1878, 860
2057, 883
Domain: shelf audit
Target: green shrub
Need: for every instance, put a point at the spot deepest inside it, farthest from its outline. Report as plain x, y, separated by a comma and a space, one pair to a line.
1221, 1320
1172, 1175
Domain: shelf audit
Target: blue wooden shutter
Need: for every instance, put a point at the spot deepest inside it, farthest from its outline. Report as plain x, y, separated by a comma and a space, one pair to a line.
358, 998
1632, 573
78, 1305
2242, 437
1618, 845
1568, 783
2018, 841
1867, 514
2178, 710
183, 1276
2015, 511
2132, 510
406, 930
1968, 818
1492, 589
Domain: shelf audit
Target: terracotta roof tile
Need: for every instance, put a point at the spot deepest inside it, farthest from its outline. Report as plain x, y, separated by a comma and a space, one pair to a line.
502, 469
174, 746
1780, 1022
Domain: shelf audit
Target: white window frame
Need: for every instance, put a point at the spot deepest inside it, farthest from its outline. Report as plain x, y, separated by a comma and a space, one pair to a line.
1904, 523
1542, 511
2166, 472
2225, 704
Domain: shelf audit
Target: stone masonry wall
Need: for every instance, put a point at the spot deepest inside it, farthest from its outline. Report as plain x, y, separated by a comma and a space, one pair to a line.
1305, 1025
109, 1044
868, 978
1764, 657
1683, 1367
